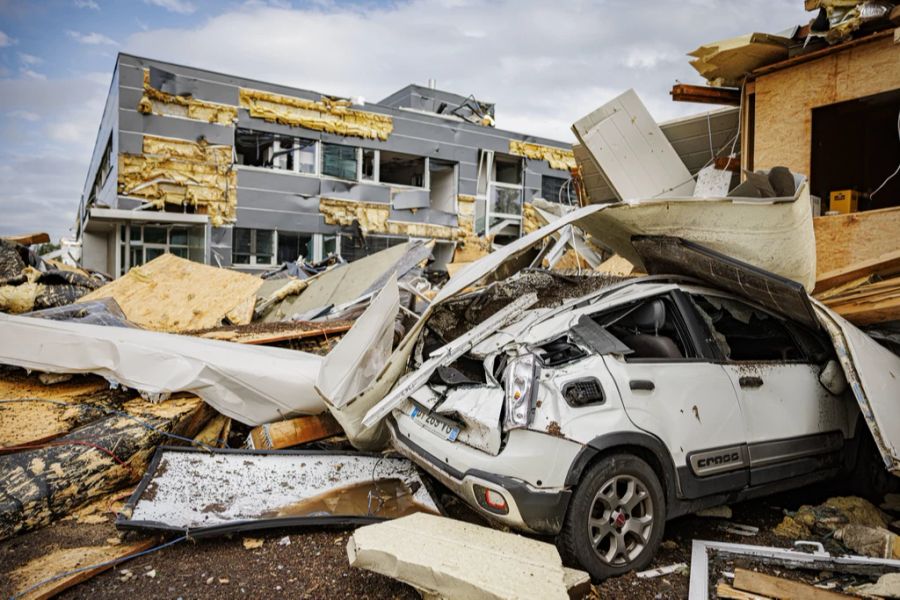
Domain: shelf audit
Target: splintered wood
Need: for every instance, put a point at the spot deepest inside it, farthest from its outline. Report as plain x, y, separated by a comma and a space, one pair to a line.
858, 265
31, 579
770, 586
173, 294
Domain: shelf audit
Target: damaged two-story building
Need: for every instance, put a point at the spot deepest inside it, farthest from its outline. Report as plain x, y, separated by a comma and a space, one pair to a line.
231, 171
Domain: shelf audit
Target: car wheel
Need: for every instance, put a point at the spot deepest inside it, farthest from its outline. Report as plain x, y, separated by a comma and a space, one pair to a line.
616, 518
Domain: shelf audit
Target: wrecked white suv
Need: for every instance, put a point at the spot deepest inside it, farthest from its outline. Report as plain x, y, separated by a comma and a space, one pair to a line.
595, 409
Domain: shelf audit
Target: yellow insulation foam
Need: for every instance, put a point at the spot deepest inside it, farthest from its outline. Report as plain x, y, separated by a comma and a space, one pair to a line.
181, 172
330, 116
155, 102
557, 158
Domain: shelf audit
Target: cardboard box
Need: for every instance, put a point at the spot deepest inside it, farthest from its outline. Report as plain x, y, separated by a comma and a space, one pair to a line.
844, 201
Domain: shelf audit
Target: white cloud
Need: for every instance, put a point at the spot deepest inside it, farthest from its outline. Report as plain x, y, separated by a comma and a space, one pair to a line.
544, 65
90, 4
24, 114
33, 74
91, 39
182, 7
30, 59
5, 40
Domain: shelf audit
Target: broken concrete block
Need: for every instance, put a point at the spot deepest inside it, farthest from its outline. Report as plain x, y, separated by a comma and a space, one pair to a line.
445, 558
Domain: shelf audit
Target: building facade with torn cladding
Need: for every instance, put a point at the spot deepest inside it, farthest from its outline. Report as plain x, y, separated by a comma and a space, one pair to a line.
236, 172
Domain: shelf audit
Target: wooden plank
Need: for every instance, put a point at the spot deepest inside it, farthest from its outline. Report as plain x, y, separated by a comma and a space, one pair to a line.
723, 590
57, 562
173, 294
871, 311
263, 337
27, 239
844, 288
302, 430
886, 264
844, 240
705, 94
778, 587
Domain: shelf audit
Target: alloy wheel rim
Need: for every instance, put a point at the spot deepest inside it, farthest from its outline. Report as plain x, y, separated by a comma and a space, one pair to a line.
620, 520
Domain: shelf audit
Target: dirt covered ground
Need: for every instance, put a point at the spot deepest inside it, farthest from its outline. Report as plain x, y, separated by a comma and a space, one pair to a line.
314, 563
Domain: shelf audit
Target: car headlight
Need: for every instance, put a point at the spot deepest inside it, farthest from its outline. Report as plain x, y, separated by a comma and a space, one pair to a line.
521, 387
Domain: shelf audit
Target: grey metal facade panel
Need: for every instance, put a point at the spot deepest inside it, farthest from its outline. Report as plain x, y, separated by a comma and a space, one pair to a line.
425, 215
131, 142
255, 218
251, 198
125, 203
175, 127
131, 76
108, 125
201, 89
407, 199
129, 97
351, 190
273, 180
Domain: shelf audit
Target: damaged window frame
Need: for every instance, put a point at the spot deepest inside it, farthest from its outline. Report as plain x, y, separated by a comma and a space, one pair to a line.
494, 187
357, 158
277, 159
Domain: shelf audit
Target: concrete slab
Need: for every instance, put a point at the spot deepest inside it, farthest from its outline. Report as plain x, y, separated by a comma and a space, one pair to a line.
445, 558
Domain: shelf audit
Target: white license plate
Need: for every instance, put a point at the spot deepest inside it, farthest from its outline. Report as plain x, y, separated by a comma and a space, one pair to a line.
434, 424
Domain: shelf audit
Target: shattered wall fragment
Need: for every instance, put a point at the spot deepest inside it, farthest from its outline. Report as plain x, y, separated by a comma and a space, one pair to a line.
557, 158
328, 115
374, 217
156, 102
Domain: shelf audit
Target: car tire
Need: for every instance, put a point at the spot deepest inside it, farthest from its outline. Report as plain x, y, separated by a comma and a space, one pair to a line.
607, 531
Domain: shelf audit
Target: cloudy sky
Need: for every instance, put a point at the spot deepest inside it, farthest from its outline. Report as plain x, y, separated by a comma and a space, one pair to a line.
543, 63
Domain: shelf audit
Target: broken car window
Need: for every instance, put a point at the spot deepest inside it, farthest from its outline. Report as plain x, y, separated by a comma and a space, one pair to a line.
744, 333
651, 329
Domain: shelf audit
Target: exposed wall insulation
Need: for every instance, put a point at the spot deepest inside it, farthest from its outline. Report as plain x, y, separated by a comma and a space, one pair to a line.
180, 172
331, 116
844, 240
155, 102
726, 62
785, 98
373, 218
465, 207
557, 158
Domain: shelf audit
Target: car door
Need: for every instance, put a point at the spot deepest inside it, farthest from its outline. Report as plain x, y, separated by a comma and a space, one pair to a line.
794, 425
685, 400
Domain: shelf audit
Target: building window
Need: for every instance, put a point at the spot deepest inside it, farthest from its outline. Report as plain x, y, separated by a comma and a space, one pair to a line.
275, 151
369, 165
139, 244
293, 246
354, 247
554, 189
339, 161
253, 247
401, 169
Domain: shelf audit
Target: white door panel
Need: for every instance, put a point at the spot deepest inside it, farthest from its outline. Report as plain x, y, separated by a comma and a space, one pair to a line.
782, 401
692, 405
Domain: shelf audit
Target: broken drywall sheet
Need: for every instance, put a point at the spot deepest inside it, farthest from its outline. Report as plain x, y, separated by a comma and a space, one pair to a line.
175, 294
557, 158
446, 558
156, 102
251, 384
203, 493
180, 172
328, 115
633, 154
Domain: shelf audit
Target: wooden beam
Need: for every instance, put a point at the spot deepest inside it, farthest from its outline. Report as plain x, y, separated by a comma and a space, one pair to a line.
723, 590
302, 430
728, 163
27, 239
886, 264
778, 587
704, 94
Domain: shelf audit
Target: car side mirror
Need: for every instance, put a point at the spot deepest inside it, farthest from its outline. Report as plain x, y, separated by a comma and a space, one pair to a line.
832, 378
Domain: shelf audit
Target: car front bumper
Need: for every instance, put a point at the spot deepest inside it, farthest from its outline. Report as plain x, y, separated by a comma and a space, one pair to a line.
532, 509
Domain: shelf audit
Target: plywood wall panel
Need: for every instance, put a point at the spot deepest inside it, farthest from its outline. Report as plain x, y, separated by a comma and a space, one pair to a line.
785, 98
